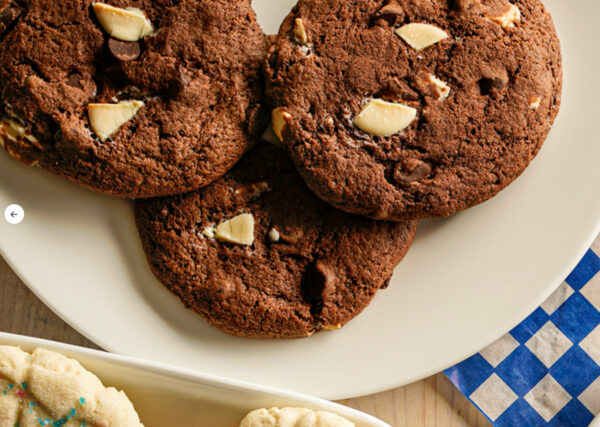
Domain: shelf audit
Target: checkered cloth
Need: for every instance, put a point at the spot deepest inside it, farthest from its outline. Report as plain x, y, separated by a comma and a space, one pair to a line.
546, 371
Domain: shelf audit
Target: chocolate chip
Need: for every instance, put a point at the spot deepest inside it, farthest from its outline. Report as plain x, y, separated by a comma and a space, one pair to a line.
411, 171
317, 281
313, 283
390, 14
177, 81
8, 16
124, 51
74, 80
492, 86
462, 5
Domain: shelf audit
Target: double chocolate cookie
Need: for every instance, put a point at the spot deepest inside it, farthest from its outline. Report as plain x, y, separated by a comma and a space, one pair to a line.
138, 98
258, 255
408, 109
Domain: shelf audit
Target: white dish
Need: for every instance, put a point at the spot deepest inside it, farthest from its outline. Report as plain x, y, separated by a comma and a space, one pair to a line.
466, 281
167, 396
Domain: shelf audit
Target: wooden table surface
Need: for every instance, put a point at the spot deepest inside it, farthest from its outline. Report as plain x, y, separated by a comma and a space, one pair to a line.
433, 402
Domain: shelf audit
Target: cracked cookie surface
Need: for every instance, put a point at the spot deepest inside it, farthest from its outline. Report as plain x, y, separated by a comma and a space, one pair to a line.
307, 266
484, 77
197, 72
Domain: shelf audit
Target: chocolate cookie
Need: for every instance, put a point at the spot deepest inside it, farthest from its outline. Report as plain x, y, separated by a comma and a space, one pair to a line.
259, 256
413, 108
138, 98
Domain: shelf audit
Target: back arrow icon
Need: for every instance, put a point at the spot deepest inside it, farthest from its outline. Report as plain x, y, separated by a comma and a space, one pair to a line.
13, 214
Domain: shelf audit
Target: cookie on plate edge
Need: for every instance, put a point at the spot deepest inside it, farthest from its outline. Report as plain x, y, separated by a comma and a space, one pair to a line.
407, 109
135, 98
258, 255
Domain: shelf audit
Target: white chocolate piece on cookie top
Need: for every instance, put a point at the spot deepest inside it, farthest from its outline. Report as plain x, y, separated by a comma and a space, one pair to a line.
238, 230
382, 118
128, 25
106, 119
293, 417
48, 388
274, 235
300, 34
508, 18
534, 102
14, 131
441, 86
280, 118
420, 36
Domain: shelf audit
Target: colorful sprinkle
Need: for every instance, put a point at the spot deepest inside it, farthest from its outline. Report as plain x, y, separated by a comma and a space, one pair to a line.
30, 411
24, 385
83, 423
73, 412
20, 393
32, 404
4, 392
81, 400
10, 386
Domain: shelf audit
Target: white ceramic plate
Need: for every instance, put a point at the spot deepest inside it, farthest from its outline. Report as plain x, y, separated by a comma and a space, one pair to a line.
467, 280
165, 396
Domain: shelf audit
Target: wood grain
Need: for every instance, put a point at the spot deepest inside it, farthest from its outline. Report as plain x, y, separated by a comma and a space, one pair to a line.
433, 402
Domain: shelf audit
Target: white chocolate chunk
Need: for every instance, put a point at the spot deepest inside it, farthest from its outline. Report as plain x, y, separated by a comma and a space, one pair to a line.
442, 87
239, 230
280, 118
293, 417
106, 119
274, 235
420, 36
534, 102
381, 118
11, 131
508, 18
128, 25
300, 34
14, 131
209, 232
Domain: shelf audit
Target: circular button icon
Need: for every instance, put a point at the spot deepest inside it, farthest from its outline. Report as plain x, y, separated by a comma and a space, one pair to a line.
14, 214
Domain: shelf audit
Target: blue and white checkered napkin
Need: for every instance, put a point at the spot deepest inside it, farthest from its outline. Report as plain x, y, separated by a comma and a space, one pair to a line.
546, 371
